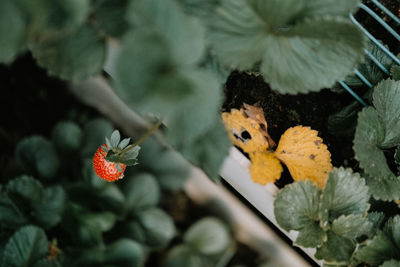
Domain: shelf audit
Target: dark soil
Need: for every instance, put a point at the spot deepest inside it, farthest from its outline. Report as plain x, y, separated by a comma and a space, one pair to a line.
375, 28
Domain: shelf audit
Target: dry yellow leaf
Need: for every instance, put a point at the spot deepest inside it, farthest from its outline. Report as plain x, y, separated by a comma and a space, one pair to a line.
265, 167
257, 114
305, 155
244, 132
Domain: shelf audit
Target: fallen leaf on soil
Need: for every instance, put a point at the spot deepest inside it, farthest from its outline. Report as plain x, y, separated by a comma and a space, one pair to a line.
305, 155
244, 131
300, 148
257, 114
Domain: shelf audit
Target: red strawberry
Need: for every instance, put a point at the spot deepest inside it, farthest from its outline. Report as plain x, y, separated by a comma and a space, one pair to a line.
105, 169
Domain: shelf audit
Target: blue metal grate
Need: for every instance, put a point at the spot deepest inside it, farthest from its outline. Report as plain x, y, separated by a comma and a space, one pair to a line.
376, 42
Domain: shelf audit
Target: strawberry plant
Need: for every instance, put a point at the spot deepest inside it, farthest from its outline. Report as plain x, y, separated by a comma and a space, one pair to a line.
177, 60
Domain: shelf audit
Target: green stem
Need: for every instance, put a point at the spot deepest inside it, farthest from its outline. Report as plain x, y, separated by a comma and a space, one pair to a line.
143, 138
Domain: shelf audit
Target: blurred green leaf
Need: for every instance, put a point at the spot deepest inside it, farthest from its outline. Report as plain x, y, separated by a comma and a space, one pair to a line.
90, 177
111, 198
36, 155
50, 17
124, 252
67, 136
376, 218
49, 212
183, 256
184, 35
209, 150
159, 227
287, 37
26, 247
25, 191
171, 169
110, 15
10, 214
336, 250
135, 231
47, 263
94, 132
13, 30
345, 193
74, 56
297, 205
142, 191
386, 99
209, 236
390, 263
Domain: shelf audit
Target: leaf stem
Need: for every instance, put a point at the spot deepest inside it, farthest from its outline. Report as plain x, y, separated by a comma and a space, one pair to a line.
142, 139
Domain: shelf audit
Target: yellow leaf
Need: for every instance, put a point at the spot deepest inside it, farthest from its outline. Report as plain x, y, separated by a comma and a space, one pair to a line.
305, 155
244, 132
265, 167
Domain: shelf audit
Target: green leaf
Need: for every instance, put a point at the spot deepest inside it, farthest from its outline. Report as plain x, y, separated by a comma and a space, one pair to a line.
124, 143
90, 177
386, 99
159, 227
110, 15
94, 132
49, 212
376, 218
336, 249
10, 214
395, 71
296, 205
345, 193
311, 235
27, 246
351, 226
171, 170
330, 7
369, 134
74, 56
36, 155
209, 150
392, 229
287, 37
115, 138
142, 191
25, 191
135, 231
384, 188
390, 263
52, 17
184, 129
376, 250
184, 35
111, 198
47, 263
208, 236
13, 30
90, 226
67, 136
133, 153
183, 256
124, 252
